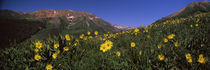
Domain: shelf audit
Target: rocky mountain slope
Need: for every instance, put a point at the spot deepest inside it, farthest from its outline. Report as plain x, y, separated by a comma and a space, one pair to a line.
42, 24
191, 9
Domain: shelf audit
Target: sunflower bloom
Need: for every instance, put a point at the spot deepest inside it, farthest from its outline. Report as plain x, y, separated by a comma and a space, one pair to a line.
201, 55
133, 44
191, 26
176, 44
56, 46
140, 52
161, 57
58, 52
201, 59
38, 45
103, 48
159, 46
88, 32
109, 44
118, 53
96, 33
67, 37
189, 60
54, 56
165, 40
85, 38
188, 56
104, 38
75, 44
196, 25
136, 30
37, 57
171, 36
90, 37
49, 67
81, 36
36, 50
66, 48
146, 30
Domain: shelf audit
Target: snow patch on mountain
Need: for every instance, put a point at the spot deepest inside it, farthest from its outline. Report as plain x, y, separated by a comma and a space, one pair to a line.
123, 27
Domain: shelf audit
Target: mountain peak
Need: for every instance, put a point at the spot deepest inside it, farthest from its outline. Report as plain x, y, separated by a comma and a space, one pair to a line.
50, 13
193, 8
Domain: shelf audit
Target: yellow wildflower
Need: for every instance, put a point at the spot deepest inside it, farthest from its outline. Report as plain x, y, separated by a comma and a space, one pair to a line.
75, 44
109, 44
54, 55
161, 57
56, 46
37, 57
88, 32
136, 30
36, 50
66, 48
176, 44
201, 55
49, 67
159, 46
165, 40
189, 60
196, 25
67, 37
77, 40
81, 36
90, 37
96, 32
188, 56
201, 59
85, 38
133, 44
58, 52
171, 36
146, 30
118, 53
140, 52
104, 38
103, 48
191, 25
38, 45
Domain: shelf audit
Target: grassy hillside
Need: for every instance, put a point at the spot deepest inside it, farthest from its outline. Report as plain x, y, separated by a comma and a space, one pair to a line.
181, 43
80, 27
17, 26
17, 30
191, 9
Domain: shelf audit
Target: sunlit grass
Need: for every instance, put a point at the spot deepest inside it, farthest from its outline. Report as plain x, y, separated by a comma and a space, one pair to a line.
179, 43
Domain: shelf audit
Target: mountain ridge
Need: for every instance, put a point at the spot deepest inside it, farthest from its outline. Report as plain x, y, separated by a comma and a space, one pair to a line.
190, 9
64, 22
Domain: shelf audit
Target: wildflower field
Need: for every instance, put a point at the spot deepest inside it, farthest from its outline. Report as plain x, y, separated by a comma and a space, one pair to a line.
180, 43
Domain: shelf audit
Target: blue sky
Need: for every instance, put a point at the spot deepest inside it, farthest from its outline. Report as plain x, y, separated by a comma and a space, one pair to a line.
132, 13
